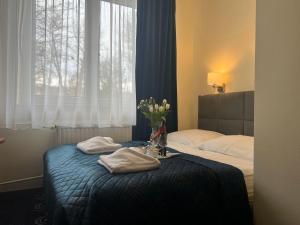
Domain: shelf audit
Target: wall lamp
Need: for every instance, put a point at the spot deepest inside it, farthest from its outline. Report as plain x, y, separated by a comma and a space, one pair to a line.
217, 81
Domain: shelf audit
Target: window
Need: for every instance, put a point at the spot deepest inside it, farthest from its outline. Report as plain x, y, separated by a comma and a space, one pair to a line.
59, 47
84, 70
67, 63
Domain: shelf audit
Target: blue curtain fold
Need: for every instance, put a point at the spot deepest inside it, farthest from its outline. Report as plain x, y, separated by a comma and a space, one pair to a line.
156, 60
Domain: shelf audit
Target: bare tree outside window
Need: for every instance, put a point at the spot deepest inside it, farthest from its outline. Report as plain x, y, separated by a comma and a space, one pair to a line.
59, 47
85, 62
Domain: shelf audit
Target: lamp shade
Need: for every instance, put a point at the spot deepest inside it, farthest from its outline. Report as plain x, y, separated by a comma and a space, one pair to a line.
216, 79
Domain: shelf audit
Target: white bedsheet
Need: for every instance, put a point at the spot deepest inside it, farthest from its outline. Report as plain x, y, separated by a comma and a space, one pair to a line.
246, 166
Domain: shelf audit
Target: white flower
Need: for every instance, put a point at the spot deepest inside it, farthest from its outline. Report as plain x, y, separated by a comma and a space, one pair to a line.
151, 108
142, 101
165, 101
161, 109
156, 106
167, 106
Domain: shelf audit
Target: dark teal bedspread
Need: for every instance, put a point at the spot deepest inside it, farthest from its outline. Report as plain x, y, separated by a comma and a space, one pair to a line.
184, 190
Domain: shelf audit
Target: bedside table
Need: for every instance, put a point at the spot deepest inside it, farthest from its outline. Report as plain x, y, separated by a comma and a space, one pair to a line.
2, 140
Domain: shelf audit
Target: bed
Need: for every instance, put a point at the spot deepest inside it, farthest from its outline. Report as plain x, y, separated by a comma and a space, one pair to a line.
186, 189
230, 114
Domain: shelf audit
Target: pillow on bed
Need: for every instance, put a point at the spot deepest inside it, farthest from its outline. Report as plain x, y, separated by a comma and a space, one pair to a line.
193, 138
234, 145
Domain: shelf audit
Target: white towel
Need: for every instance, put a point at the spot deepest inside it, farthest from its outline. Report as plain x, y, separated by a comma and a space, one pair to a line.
98, 145
127, 160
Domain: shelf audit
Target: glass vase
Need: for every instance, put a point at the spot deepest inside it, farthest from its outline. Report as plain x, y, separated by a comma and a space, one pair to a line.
154, 141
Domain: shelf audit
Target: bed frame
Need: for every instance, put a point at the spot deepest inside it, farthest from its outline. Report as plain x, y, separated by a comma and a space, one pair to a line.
230, 113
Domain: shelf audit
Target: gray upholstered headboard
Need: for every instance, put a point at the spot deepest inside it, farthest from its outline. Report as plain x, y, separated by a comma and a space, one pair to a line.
230, 113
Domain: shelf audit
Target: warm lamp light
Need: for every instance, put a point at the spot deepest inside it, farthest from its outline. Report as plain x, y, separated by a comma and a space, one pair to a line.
217, 80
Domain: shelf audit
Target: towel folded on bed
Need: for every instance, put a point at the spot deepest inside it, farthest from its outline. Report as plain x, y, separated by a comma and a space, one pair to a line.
98, 145
127, 160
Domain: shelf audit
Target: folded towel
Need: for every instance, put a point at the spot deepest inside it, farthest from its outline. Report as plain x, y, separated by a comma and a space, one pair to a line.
98, 145
127, 160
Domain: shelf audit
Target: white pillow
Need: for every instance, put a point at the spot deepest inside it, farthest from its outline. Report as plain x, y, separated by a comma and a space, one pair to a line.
234, 145
193, 138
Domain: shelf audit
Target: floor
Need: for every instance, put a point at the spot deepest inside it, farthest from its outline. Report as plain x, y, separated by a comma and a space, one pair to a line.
23, 208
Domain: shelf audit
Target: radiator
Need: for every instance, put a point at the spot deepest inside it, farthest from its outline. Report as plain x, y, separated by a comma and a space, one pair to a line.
75, 135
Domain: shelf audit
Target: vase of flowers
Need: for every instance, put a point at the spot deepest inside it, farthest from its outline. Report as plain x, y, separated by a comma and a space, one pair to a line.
155, 113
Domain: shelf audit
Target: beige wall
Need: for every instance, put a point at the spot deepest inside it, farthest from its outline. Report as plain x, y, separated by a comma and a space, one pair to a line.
21, 156
212, 36
188, 79
277, 110
228, 43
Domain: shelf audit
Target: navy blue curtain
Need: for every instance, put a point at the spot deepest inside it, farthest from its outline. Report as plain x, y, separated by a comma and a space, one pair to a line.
156, 60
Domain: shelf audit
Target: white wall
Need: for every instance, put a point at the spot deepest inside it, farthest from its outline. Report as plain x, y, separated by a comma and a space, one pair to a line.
277, 111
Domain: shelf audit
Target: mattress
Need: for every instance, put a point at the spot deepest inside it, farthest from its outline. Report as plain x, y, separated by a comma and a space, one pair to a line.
245, 166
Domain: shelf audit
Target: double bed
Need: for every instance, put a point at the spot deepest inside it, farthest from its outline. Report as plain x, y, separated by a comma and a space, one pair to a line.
229, 114
195, 187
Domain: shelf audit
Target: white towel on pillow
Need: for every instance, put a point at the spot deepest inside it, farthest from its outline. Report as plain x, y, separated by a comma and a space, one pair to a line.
98, 145
127, 160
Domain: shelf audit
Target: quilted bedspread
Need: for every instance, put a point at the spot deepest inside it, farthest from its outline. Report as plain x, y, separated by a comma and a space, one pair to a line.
184, 190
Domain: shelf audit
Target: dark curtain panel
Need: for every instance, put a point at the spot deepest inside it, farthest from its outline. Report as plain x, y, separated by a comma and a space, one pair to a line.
156, 60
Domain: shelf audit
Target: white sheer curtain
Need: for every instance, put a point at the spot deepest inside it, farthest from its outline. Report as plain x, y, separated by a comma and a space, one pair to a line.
15, 62
78, 66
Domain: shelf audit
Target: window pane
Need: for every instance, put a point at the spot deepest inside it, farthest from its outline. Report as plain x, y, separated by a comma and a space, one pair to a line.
117, 57
59, 49
117, 46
